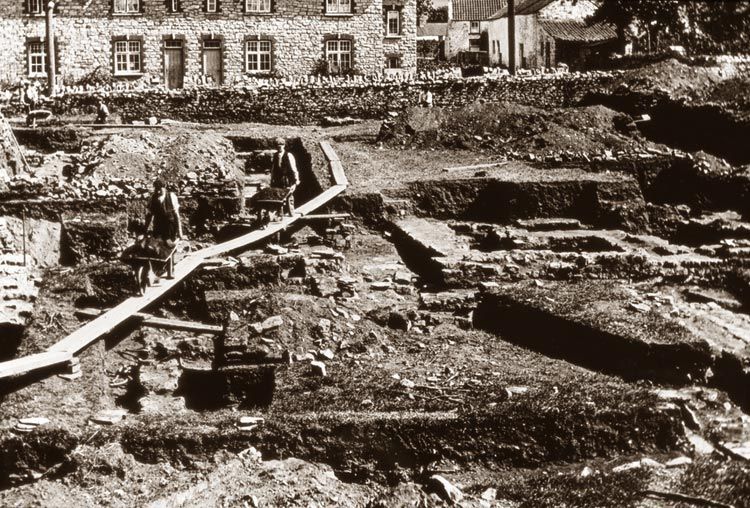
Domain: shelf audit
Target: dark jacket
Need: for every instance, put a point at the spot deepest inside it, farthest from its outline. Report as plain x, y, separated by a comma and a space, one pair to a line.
283, 173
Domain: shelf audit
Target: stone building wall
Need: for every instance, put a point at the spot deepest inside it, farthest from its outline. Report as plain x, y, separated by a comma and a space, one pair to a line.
457, 38
298, 29
527, 33
405, 45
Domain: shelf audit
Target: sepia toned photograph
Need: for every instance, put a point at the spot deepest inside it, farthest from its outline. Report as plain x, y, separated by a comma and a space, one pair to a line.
375, 253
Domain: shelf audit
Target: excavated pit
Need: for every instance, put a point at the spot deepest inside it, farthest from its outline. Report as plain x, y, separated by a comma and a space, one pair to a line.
512, 409
692, 127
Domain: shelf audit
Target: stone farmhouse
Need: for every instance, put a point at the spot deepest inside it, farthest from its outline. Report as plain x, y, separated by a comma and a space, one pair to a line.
550, 32
467, 32
215, 42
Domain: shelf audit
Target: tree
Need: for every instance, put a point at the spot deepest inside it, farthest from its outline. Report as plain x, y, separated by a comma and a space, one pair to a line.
438, 15
652, 17
700, 25
720, 26
424, 10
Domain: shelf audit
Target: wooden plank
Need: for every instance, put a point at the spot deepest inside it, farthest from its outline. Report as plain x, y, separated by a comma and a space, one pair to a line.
105, 323
476, 166
683, 498
338, 173
157, 322
330, 154
337, 170
33, 362
118, 126
322, 216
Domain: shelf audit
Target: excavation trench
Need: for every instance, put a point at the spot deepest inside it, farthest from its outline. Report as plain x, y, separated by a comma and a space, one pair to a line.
376, 447
708, 127
563, 315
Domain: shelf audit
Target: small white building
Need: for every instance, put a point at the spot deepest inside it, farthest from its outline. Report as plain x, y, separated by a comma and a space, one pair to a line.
551, 32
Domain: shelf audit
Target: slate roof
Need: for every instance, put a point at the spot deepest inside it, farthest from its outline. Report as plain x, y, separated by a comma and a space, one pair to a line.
578, 31
475, 10
432, 30
523, 7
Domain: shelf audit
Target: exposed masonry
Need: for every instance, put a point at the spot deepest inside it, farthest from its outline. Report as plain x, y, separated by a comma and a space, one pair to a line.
86, 32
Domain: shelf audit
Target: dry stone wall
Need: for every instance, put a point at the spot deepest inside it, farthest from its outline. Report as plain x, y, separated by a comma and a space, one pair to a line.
311, 102
298, 28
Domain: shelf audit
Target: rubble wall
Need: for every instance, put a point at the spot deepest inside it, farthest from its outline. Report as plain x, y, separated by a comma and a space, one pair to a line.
297, 28
301, 103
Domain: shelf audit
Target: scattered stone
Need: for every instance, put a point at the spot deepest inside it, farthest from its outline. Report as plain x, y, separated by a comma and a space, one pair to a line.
248, 423
326, 354
488, 286
445, 489
700, 445
324, 287
276, 249
109, 417
269, 324
402, 277
36, 421
643, 463
327, 253
381, 285
516, 390
318, 368
406, 383
679, 462
586, 472
490, 494
233, 316
23, 427
639, 307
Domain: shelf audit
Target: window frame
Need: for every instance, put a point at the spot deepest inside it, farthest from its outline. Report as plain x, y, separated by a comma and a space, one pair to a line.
338, 52
207, 5
30, 4
392, 58
478, 30
259, 53
128, 54
261, 3
31, 54
128, 11
393, 14
339, 5
174, 6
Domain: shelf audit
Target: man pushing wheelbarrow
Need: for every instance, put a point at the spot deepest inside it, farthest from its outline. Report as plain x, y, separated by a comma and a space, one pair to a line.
155, 253
279, 197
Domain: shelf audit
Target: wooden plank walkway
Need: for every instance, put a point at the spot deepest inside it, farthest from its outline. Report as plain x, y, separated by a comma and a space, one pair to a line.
157, 322
63, 351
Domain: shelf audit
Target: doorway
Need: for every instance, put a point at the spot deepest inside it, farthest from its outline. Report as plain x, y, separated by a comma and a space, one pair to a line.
174, 63
212, 68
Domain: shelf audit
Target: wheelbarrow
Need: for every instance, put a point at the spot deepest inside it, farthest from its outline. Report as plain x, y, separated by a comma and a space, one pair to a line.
144, 265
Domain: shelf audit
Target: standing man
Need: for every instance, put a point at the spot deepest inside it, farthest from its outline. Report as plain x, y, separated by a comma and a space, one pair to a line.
32, 101
165, 211
284, 173
102, 111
